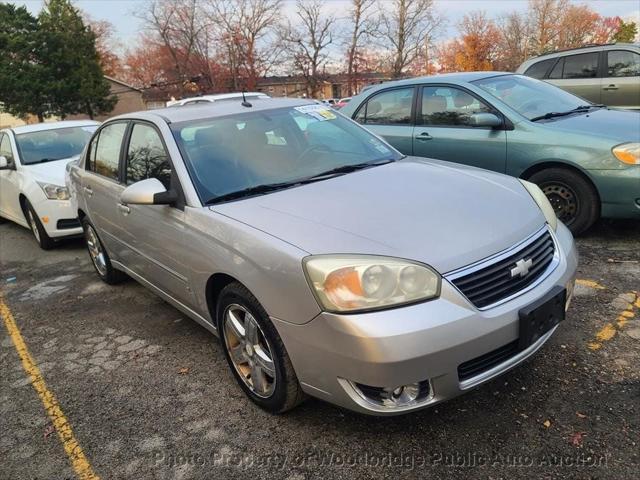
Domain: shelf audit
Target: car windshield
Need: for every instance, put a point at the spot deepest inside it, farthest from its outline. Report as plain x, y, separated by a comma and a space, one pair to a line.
530, 97
274, 148
53, 144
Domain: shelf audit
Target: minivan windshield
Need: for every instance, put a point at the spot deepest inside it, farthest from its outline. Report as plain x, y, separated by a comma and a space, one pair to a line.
530, 97
252, 153
53, 144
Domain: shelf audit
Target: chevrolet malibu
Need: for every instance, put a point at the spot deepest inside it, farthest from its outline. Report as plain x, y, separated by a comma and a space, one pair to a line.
328, 264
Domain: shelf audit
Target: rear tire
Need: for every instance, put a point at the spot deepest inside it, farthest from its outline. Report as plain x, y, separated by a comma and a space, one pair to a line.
573, 198
36, 227
99, 256
273, 386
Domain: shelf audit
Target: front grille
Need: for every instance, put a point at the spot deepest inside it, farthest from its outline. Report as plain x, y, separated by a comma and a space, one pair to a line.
495, 282
487, 361
66, 223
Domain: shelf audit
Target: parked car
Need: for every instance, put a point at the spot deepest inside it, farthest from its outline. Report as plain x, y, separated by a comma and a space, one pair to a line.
585, 157
608, 74
327, 263
32, 169
217, 98
342, 102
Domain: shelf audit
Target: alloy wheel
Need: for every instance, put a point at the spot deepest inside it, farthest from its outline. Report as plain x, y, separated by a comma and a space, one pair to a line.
95, 251
249, 350
33, 225
563, 200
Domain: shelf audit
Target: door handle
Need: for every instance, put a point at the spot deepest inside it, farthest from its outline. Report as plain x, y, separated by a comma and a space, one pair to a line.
124, 209
424, 136
611, 87
88, 191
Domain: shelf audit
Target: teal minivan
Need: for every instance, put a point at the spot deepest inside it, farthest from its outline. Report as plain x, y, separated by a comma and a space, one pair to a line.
584, 156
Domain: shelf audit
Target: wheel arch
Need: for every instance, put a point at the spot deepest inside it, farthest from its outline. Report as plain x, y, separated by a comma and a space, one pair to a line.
538, 167
215, 284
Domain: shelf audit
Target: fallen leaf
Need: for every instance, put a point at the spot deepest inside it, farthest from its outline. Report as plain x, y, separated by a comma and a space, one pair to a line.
48, 431
576, 438
183, 371
547, 423
581, 415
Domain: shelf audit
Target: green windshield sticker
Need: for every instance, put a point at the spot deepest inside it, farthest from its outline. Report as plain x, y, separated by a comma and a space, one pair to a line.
319, 112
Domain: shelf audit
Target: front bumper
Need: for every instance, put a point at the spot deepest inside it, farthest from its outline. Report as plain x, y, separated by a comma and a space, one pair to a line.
418, 343
619, 191
58, 218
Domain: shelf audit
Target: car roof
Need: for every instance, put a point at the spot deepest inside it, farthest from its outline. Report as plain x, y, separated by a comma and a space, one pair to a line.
218, 96
458, 77
39, 127
201, 111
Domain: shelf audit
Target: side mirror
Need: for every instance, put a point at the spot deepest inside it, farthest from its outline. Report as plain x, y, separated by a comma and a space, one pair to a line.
4, 163
485, 120
147, 192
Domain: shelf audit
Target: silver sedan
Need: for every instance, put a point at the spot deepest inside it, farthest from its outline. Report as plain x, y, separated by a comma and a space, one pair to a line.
328, 264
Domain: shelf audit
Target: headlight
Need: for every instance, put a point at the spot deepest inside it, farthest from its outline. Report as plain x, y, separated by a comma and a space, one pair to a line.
628, 153
54, 192
543, 202
347, 283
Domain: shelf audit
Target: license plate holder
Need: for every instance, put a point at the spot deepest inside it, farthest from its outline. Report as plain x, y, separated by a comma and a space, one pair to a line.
541, 316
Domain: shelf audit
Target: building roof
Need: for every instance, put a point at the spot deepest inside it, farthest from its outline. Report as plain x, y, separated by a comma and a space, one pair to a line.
120, 82
38, 127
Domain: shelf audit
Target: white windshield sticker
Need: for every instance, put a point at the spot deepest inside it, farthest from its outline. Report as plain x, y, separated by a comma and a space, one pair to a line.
319, 112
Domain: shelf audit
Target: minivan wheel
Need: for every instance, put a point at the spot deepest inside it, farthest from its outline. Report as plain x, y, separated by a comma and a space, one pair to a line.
573, 198
255, 352
36, 227
99, 256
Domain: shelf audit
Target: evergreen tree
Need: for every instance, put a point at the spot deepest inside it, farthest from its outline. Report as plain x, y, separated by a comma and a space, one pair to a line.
69, 54
626, 32
25, 86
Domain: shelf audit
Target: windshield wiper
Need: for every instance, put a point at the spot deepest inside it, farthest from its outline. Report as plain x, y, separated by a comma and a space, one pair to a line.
271, 187
348, 169
581, 108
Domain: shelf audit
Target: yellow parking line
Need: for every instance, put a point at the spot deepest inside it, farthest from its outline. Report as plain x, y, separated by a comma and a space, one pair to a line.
71, 446
590, 284
609, 331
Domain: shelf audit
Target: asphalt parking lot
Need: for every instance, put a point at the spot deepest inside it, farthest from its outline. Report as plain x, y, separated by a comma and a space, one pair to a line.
131, 388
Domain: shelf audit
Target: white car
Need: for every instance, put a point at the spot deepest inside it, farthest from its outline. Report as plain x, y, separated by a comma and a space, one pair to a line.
217, 98
32, 170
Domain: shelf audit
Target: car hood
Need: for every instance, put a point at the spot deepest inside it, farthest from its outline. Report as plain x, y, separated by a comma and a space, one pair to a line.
442, 214
50, 172
618, 125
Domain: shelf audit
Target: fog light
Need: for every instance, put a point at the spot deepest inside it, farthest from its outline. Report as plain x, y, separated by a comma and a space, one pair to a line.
570, 286
393, 397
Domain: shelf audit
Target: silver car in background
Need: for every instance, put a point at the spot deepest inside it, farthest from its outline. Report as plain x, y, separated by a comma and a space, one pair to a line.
328, 264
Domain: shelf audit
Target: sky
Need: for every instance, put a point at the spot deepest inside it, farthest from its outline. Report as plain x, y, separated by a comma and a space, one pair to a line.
121, 13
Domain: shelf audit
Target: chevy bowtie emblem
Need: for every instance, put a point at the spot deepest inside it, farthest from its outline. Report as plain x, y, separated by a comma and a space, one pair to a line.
522, 268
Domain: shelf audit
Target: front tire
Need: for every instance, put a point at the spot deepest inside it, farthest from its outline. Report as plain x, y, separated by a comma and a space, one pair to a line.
36, 227
573, 198
255, 352
99, 256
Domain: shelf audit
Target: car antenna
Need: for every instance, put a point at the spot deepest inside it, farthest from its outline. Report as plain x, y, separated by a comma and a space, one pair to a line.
244, 101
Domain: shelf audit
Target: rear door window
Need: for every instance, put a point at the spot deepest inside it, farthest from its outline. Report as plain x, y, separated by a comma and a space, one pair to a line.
107, 150
584, 65
391, 107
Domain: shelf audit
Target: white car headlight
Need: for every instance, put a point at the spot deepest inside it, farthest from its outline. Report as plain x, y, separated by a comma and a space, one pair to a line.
55, 192
348, 283
543, 202
628, 153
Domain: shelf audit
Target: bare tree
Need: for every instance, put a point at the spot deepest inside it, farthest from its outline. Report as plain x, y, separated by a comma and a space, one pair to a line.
406, 29
363, 27
546, 23
185, 33
515, 40
246, 29
307, 40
